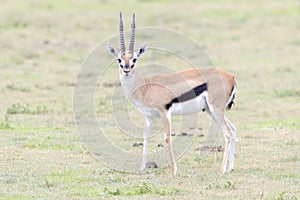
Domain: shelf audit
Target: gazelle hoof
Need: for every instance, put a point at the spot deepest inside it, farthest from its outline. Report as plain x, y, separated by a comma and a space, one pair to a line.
223, 170
142, 169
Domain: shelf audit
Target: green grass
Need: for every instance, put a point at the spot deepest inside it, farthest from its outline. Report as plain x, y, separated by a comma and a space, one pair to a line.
280, 123
6, 125
16, 87
288, 93
26, 109
51, 144
227, 186
43, 44
142, 189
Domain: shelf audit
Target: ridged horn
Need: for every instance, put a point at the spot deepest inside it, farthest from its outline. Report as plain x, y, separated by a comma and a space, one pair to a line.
131, 46
122, 42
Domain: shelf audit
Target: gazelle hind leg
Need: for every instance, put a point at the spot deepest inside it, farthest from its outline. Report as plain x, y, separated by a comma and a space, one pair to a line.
227, 136
218, 116
232, 144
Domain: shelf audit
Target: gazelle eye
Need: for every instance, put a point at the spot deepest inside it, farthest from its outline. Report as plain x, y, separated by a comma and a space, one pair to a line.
134, 60
119, 60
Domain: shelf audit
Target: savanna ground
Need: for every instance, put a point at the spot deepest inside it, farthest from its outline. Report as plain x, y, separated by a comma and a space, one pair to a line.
42, 45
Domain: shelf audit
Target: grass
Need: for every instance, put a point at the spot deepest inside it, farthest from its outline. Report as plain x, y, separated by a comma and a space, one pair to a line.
43, 44
287, 93
25, 109
16, 87
141, 189
6, 125
228, 186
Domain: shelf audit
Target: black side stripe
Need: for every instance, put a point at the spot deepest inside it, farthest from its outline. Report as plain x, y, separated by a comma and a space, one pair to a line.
232, 99
191, 94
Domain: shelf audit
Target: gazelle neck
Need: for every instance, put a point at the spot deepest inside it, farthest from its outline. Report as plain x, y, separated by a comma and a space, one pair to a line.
131, 83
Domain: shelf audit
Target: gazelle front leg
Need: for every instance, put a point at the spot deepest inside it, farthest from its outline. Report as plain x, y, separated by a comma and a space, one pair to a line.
146, 134
168, 139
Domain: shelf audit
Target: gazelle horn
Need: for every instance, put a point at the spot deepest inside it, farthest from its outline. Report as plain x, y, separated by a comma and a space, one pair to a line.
122, 43
131, 46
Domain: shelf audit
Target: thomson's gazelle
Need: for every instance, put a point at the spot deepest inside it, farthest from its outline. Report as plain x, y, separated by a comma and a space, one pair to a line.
207, 89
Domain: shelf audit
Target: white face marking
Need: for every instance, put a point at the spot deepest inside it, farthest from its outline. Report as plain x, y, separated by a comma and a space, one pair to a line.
121, 62
133, 60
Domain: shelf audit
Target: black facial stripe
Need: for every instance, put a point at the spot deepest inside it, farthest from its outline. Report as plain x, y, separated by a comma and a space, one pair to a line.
196, 91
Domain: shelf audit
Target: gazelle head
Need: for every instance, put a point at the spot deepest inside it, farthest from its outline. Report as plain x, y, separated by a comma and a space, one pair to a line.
127, 59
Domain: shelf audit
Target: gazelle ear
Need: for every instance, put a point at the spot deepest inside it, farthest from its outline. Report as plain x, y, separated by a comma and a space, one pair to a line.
142, 49
112, 50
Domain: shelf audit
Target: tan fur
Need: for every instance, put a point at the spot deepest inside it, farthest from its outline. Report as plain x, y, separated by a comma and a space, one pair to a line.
127, 57
159, 89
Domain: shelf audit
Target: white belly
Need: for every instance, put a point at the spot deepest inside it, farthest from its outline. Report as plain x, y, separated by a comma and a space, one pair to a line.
183, 108
191, 106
